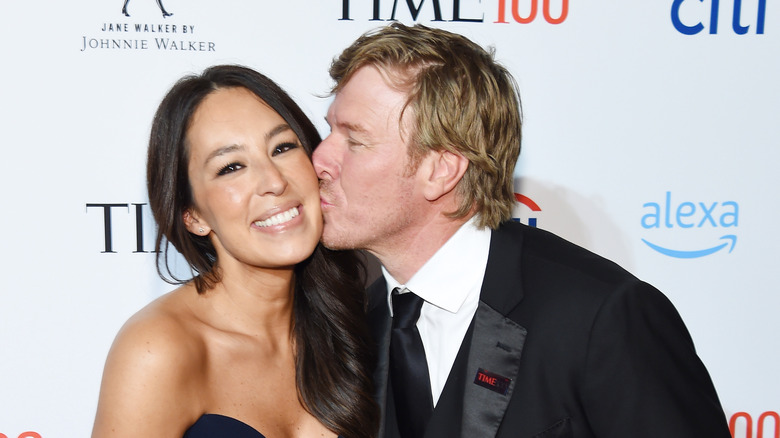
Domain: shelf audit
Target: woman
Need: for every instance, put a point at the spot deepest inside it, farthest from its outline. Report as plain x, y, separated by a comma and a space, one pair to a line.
268, 338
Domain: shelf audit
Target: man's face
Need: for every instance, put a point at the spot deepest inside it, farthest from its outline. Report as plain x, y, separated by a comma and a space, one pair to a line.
368, 198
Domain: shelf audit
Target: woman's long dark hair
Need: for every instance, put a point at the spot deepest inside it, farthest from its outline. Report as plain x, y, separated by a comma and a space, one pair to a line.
333, 356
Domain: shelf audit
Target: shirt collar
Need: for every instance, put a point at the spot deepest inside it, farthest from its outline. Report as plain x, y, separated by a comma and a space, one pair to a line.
448, 277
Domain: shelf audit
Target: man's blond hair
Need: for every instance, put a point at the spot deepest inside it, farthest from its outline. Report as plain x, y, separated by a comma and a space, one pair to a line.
463, 101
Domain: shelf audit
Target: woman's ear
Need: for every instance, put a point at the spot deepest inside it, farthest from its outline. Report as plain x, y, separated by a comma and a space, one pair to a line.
442, 171
194, 223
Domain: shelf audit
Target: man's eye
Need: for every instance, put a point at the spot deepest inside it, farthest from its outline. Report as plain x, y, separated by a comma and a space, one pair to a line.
230, 168
282, 148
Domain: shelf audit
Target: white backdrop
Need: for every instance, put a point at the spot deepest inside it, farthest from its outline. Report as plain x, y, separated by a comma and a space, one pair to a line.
646, 123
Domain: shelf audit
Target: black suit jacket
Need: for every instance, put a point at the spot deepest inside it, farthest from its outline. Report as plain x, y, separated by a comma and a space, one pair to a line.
587, 350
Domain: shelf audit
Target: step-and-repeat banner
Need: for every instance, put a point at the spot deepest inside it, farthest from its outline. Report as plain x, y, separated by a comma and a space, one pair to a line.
651, 137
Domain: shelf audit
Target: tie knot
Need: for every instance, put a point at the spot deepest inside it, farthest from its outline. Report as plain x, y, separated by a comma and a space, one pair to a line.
406, 308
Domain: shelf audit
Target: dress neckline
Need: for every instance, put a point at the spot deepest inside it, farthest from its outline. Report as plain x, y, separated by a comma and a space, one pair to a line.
208, 422
218, 423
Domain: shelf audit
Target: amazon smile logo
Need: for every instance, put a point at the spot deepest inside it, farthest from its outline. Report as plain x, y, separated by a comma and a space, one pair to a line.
688, 229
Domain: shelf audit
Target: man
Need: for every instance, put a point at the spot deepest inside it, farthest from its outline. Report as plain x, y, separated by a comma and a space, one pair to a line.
523, 334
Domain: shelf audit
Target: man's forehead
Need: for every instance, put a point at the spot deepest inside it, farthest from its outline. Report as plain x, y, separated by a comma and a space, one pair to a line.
370, 106
342, 123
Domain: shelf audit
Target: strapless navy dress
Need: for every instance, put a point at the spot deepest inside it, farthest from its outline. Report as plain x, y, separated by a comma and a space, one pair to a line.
218, 426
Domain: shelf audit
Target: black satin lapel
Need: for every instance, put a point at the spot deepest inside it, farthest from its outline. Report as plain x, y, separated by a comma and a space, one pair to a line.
379, 323
496, 347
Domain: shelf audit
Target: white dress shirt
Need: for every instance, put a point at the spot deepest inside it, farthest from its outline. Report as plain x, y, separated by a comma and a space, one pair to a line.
450, 283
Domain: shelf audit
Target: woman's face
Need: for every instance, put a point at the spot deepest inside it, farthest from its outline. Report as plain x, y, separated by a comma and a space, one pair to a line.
254, 188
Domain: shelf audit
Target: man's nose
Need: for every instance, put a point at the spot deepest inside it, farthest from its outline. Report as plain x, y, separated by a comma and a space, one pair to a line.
325, 160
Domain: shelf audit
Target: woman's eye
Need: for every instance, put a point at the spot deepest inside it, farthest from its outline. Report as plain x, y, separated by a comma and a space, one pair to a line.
282, 148
230, 168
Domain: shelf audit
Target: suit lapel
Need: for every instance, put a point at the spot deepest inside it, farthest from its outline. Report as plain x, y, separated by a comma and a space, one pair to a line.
494, 361
497, 343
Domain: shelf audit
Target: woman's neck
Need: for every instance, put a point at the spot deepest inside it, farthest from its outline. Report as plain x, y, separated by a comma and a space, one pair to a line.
253, 301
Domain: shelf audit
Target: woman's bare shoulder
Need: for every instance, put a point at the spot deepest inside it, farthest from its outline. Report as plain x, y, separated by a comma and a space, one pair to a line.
154, 364
166, 329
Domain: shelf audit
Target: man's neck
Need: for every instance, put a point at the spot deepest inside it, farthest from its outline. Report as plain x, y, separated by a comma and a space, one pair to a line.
403, 257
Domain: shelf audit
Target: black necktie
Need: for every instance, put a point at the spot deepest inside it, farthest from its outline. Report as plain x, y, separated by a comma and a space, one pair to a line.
408, 367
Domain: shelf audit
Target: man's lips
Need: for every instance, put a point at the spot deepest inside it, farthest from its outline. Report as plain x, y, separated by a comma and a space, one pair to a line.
324, 202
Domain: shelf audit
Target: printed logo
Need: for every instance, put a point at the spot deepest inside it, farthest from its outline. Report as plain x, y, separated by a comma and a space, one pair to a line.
746, 424
159, 4
492, 381
24, 435
123, 35
520, 11
518, 17
688, 218
524, 203
696, 11
142, 215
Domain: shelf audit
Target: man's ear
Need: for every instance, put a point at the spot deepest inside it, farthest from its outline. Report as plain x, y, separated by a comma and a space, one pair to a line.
442, 171
194, 223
